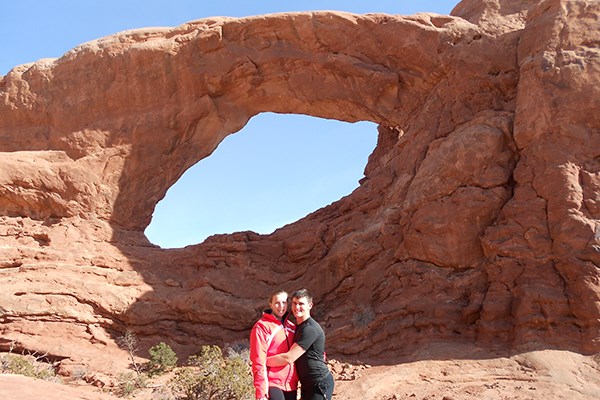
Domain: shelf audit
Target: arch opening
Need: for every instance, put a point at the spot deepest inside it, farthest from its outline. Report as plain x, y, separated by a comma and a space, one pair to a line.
276, 170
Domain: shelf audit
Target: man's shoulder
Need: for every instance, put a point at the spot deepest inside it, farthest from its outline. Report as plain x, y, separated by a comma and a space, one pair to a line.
310, 325
314, 323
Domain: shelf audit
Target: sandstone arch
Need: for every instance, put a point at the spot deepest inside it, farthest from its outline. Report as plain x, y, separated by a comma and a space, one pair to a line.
204, 80
476, 220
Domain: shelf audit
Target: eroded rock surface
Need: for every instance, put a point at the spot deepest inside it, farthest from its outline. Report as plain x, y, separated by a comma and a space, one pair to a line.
477, 219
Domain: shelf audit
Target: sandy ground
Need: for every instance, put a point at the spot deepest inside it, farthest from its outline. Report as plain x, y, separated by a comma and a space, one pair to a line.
18, 387
547, 375
534, 375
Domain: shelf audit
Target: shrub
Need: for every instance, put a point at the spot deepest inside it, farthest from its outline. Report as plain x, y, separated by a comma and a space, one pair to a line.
212, 376
21, 366
128, 341
79, 372
162, 359
28, 366
4, 363
364, 317
162, 393
130, 382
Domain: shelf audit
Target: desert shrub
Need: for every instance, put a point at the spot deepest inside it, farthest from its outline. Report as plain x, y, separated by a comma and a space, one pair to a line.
5, 358
128, 341
364, 317
28, 366
130, 382
187, 384
240, 350
79, 373
21, 366
162, 359
212, 376
238, 376
161, 393
4, 363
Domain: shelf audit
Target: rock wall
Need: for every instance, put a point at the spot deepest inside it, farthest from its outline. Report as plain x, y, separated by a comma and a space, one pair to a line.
477, 219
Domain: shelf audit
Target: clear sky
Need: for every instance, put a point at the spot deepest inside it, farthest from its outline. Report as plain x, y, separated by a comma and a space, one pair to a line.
276, 170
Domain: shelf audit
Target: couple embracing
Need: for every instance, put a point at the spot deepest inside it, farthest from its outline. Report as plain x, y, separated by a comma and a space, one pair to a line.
283, 352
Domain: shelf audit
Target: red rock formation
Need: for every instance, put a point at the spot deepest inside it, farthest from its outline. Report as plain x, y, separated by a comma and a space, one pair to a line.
477, 219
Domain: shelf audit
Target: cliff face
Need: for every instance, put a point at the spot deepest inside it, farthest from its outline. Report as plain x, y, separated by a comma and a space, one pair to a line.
477, 219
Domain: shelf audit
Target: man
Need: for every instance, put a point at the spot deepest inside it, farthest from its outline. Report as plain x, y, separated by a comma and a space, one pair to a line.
272, 334
307, 352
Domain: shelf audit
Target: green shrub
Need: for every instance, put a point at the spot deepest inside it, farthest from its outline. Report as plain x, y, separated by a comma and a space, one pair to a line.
21, 366
28, 366
162, 359
212, 376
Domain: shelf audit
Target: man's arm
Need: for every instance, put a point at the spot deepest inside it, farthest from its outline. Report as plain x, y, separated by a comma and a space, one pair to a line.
286, 358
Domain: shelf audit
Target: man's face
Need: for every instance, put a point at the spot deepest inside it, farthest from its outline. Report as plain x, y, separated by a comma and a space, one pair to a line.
279, 304
301, 307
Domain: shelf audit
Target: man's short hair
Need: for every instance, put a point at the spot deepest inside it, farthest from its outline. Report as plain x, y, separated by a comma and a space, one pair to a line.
302, 293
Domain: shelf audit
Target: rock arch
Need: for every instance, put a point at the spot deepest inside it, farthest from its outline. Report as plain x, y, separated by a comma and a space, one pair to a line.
165, 98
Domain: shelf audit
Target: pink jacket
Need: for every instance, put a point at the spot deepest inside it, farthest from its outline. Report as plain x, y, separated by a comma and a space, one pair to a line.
270, 336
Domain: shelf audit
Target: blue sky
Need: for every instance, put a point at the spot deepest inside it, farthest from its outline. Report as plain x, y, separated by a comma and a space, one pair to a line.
276, 170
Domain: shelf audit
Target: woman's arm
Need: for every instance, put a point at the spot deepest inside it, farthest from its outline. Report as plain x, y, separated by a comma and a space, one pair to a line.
258, 357
282, 359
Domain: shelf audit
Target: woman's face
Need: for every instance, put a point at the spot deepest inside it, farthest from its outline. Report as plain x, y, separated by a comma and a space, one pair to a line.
279, 304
